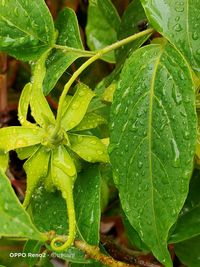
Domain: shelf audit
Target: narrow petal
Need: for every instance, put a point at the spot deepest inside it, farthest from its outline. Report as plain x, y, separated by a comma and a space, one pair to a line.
77, 107
36, 168
90, 121
19, 136
90, 148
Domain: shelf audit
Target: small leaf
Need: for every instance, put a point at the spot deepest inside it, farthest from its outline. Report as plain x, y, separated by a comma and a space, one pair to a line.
33, 247
91, 120
90, 148
187, 225
19, 136
153, 137
27, 28
77, 107
59, 60
102, 34
178, 21
24, 102
189, 252
39, 106
133, 17
36, 168
14, 221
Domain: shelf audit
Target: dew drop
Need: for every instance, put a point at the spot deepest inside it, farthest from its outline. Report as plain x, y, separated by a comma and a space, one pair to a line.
140, 164
176, 153
178, 27
195, 36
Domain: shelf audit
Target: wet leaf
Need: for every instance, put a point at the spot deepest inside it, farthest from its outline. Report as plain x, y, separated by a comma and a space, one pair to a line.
189, 252
19, 136
36, 168
133, 18
33, 247
179, 22
153, 136
59, 60
14, 221
27, 28
89, 148
187, 225
26, 152
102, 34
77, 107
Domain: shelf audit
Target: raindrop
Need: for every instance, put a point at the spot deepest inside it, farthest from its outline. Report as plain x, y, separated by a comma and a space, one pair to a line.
176, 96
140, 164
198, 51
176, 153
178, 27
99, 152
117, 108
195, 36
186, 135
16, 11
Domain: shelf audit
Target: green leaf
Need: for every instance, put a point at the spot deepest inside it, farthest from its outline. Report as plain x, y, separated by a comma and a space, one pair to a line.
179, 22
77, 107
36, 168
102, 34
33, 247
87, 187
153, 137
189, 252
133, 16
89, 148
14, 221
133, 236
26, 28
19, 136
90, 121
59, 60
187, 225
40, 108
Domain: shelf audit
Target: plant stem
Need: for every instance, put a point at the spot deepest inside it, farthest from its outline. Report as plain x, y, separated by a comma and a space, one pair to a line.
98, 55
95, 253
71, 217
82, 53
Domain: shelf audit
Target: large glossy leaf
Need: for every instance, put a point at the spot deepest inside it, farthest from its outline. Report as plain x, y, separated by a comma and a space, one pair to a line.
153, 136
59, 60
179, 22
19, 136
189, 252
36, 168
133, 17
26, 28
14, 221
102, 34
40, 108
77, 107
188, 222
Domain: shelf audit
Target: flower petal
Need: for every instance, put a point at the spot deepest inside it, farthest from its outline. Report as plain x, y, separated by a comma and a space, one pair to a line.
77, 107
19, 136
90, 148
36, 168
90, 121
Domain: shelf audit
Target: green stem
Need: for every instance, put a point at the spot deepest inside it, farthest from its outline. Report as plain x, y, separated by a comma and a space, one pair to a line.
82, 53
68, 196
98, 55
